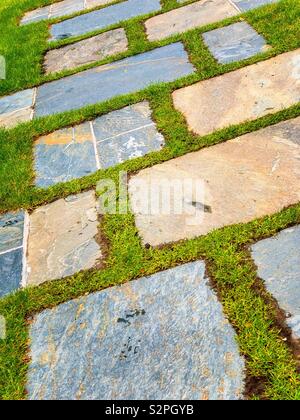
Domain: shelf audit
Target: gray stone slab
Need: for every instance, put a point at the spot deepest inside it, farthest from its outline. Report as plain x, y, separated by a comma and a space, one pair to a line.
11, 266
36, 15
64, 155
11, 231
278, 262
103, 18
16, 108
245, 5
159, 337
66, 7
86, 51
163, 64
234, 42
126, 134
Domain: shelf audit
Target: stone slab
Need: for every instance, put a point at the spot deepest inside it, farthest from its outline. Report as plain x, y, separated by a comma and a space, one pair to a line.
86, 51
132, 74
11, 268
16, 108
234, 42
62, 238
245, 5
60, 9
278, 262
243, 179
156, 338
188, 17
243, 95
11, 231
126, 134
103, 18
64, 155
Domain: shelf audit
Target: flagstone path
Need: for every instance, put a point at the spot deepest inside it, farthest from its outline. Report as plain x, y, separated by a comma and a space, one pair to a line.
170, 326
159, 337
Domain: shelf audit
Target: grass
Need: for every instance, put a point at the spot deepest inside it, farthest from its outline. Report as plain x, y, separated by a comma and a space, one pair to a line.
270, 362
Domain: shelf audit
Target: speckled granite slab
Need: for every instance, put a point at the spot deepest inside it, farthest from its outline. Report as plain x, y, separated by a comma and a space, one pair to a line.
242, 95
163, 64
243, 179
103, 18
159, 337
278, 262
234, 42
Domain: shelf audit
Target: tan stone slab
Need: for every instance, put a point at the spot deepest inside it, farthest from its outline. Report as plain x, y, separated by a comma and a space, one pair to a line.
251, 176
243, 95
15, 118
201, 13
95, 3
86, 51
62, 238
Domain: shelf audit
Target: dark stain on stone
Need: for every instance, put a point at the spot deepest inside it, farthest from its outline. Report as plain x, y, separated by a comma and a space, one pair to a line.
200, 206
133, 313
129, 348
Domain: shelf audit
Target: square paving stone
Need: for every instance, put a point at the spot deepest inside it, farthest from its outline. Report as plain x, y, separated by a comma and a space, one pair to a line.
245, 5
100, 19
242, 95
234, 42
16, 108
62, 238
188, 17
64, 155
156, 338
86, 51
11, 267
243, 179
278, 262
126, 134
11, 231
163, 64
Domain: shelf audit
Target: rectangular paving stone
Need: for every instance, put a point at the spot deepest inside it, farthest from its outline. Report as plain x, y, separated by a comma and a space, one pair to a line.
242, 95
36, 15
103, 18
99, 84
126, 134
243, 179
245, 5
11, 251
11, 267
188, 17
86, 51
62, 238
278, 262
156, 338
234, 42
16, 108
64, 155
66, 7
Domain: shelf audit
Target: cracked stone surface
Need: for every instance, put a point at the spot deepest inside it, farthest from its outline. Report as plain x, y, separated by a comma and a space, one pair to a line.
242, 95
243, 179
234, 42
122, 77
188, 17
100, 19
60, 9
111, 139
62, 238
86, 51
278, 262
11, 251
16, 108
245, 5
169, 326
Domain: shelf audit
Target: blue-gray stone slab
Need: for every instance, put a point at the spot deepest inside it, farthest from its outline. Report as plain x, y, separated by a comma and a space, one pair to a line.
64, 155
11, 266
278, 262
159, 337
126, 134
163, 64
17, 101
245, 5
103, 18
11, 231
234, 42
